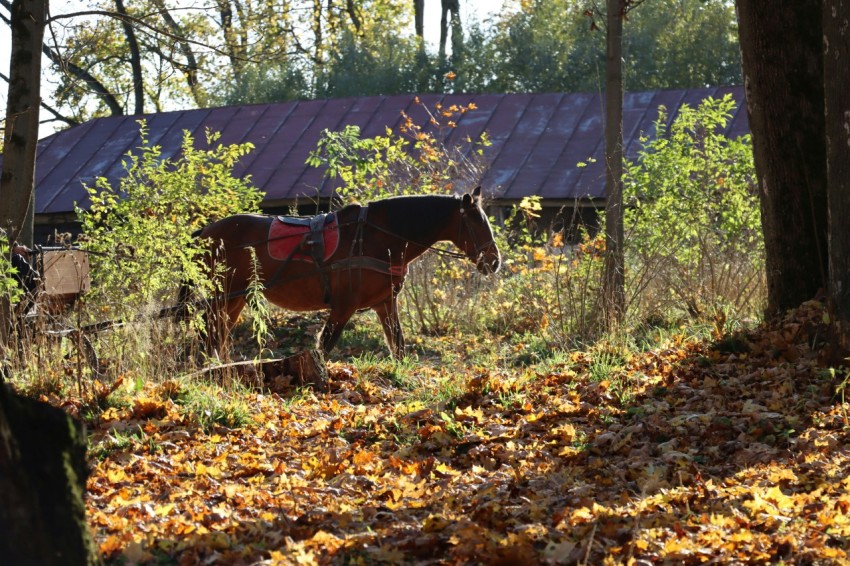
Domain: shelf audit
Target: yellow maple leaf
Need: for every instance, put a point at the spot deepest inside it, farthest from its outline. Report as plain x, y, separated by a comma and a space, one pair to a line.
203, 470
116, 475
163, 510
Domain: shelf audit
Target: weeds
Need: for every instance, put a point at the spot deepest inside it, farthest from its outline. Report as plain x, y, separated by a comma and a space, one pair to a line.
115, 441
212, 406
399, 373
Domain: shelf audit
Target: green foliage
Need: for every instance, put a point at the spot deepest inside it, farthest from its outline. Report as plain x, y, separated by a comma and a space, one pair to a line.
267, 51
681, 44
382, 64
411, 160
257, 304
694, 223
264, 83
139, 233
211, 406
9, 286
554, 46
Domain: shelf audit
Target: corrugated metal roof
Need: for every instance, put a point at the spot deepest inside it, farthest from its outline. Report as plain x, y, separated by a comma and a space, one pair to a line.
537, 140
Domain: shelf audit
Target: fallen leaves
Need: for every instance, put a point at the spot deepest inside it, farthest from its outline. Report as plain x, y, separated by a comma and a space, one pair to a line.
689, 454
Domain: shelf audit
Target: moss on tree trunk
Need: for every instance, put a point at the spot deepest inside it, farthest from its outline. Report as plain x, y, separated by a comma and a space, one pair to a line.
42, 482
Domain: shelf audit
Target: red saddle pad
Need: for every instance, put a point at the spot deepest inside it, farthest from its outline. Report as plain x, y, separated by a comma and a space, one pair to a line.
288, 239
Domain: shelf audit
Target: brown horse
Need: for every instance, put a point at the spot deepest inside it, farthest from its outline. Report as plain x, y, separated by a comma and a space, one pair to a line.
354, 259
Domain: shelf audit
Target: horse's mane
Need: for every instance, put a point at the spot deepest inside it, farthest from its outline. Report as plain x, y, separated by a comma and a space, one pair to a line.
416, 214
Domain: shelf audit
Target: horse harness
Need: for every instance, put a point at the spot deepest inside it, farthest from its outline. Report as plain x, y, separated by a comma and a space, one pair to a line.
313, 243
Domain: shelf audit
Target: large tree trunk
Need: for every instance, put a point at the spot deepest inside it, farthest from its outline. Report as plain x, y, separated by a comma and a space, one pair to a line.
42, 452
20, 139
783, 76
450, 10
22, 111
419, 18
42, 481
836, 45
613, 296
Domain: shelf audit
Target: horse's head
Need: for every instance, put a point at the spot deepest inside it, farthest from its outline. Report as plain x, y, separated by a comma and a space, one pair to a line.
476, 235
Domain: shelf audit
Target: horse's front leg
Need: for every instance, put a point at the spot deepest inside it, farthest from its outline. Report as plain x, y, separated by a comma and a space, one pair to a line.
333, 328
388, 315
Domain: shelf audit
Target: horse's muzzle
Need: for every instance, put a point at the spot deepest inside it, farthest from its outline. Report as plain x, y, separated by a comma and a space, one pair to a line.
489, 263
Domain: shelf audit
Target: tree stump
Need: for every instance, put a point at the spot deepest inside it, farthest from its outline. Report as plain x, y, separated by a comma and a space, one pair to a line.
277, 375
42, 481
304, 368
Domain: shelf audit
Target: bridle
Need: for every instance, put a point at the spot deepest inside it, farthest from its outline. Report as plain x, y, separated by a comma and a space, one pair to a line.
479, 249
465, 223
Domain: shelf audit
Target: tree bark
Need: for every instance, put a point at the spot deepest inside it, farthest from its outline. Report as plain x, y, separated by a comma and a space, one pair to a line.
351, 9
42, 481
22, 111
42, 452
419, 18
781, 52
836, 57
231, 43
135, 59
613, 296
448, 7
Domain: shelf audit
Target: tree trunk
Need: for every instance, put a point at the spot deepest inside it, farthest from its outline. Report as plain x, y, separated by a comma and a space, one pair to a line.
42, 481
135, 59
22, 111
448, 7
781, 51
613, 296
42, 452
419, 18
836, 63
231, 44
351, 9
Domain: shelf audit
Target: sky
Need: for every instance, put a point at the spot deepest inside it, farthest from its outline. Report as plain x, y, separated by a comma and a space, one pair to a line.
471, 10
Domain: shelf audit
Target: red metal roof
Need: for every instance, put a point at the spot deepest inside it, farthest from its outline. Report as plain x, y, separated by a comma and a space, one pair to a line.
537, 140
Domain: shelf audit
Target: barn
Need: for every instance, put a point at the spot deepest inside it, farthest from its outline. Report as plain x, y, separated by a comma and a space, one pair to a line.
538, 141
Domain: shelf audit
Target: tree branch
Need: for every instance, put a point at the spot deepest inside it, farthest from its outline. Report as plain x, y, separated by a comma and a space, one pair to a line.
75, 70
190, 68
56, 114
141, 23
135, 59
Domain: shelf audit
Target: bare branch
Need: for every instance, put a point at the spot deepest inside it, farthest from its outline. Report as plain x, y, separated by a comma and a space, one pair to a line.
58, 117
190, 68
141, 23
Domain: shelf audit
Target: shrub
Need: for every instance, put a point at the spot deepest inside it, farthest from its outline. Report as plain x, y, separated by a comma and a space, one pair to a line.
139, 232
693, 226
139, 238
412, 160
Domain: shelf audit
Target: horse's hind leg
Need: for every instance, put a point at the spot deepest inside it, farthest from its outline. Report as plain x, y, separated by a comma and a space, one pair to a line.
333, 328
388, 315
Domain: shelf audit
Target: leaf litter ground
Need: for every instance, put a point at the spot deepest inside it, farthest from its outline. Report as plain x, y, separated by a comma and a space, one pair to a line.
691, 453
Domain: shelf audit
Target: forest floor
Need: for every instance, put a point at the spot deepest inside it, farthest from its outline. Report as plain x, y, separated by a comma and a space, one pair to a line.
693, 451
